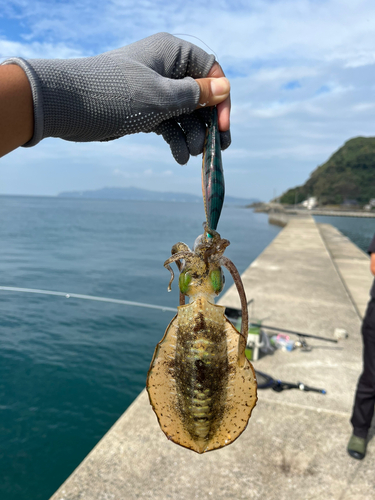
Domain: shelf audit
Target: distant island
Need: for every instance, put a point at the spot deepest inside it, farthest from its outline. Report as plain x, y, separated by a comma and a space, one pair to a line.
348, 177
133, 193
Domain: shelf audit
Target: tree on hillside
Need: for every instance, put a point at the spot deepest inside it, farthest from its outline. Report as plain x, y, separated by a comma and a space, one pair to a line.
348, 174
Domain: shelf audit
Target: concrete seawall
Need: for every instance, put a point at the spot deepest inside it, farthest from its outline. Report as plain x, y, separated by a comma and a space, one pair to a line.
310, 279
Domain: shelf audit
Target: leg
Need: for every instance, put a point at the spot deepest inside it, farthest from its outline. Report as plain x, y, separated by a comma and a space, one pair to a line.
363, 410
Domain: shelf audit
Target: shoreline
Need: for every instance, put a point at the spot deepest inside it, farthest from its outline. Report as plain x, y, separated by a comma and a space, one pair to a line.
329, 212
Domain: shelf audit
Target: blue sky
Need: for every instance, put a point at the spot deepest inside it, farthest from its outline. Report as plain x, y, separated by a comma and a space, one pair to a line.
302, 75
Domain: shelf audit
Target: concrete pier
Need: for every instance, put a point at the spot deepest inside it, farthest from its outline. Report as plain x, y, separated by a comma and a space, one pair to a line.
310, 279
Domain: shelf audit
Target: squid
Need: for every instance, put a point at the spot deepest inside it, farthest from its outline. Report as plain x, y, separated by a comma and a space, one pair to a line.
200, 384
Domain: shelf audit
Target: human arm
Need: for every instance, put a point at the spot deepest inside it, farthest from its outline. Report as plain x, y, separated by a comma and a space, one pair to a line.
16, 109
372, 263
371, 252
153, 85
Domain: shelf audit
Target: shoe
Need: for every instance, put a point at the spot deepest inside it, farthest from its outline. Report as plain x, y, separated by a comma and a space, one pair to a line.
357, 447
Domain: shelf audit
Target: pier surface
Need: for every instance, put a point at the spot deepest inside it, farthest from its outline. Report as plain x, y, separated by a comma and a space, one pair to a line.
311, 279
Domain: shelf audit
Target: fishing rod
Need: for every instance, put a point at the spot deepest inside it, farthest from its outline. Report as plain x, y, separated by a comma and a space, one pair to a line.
85, 297
283, 330
236, 313
265, 381
67, 295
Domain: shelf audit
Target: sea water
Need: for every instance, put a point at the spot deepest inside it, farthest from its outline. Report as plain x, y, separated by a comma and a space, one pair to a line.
359, 230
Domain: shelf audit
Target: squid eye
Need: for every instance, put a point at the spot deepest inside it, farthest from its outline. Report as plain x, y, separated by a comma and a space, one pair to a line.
217, 280
184, 281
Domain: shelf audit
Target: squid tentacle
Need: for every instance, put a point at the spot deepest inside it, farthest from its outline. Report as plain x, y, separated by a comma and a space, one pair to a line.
245, 316
174, 258
180, 247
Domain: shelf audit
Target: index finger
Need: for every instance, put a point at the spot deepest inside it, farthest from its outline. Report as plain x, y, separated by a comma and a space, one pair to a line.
223, 108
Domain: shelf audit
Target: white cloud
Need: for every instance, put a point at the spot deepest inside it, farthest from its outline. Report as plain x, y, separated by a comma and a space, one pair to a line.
136, 174
283, 73
36, 50
363, 107
261, 30
292, 152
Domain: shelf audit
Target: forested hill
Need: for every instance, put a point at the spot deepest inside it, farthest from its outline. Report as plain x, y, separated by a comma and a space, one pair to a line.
348, 175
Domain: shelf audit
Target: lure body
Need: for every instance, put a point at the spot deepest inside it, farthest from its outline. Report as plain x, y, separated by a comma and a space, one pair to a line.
213, 186
200, 384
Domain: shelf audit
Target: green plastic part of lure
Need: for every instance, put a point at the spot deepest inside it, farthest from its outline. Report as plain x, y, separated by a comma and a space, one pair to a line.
213, 187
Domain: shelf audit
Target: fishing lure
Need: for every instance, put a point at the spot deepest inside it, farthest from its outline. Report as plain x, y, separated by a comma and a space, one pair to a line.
200, 383
213, 187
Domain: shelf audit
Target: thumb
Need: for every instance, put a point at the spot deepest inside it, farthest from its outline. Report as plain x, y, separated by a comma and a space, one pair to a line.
213, 91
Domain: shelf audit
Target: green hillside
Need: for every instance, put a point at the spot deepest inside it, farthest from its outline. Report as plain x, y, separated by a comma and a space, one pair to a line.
348, 174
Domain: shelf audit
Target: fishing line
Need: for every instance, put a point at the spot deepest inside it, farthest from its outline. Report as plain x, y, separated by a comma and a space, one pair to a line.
197, 38
85, 297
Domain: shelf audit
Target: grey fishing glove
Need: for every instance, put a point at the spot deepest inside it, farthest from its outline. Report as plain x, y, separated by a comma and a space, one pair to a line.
147, 86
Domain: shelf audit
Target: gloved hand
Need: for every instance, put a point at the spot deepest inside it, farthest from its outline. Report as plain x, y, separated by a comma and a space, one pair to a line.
147, 86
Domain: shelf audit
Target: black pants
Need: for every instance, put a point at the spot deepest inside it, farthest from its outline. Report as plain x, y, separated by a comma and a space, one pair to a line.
364, 402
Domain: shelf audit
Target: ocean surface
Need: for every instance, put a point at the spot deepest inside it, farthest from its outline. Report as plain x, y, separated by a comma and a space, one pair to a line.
360, 231
69, 368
